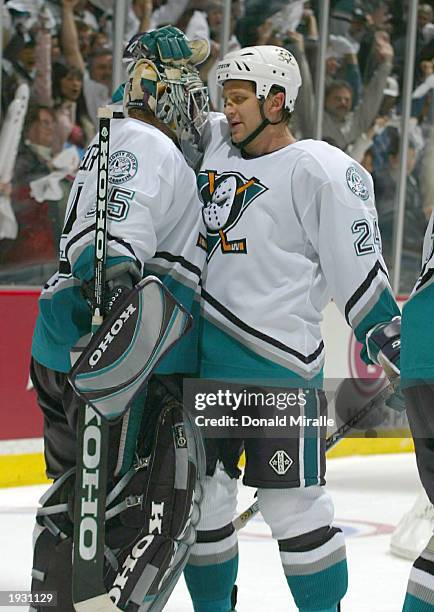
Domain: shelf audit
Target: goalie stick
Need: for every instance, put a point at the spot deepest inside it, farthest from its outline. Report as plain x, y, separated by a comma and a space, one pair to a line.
242, 519
144, 324
88, 590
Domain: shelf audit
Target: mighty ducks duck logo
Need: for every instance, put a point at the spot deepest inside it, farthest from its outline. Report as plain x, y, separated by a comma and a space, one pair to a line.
225, 198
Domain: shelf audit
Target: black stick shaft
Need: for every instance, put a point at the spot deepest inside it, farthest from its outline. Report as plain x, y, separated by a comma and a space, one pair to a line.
88, 587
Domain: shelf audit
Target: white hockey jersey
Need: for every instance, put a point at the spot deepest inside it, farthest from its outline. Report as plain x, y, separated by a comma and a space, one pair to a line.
286, 232
153, 219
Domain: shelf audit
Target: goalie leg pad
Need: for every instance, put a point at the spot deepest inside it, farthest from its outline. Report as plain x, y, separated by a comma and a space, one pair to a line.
52, 545
151, 517
153, 513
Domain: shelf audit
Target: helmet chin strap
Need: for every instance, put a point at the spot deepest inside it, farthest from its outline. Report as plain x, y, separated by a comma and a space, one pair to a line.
264, 123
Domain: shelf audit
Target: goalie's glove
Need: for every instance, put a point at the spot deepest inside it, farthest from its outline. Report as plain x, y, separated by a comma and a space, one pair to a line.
167, 45
383, 343
119, 279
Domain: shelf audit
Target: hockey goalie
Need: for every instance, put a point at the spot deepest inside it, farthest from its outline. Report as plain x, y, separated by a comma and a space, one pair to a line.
155, 461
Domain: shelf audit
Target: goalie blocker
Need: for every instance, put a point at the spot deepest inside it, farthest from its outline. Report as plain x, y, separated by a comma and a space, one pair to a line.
144, 325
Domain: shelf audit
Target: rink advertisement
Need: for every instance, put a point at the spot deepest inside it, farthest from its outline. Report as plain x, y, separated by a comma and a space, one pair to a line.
21, 417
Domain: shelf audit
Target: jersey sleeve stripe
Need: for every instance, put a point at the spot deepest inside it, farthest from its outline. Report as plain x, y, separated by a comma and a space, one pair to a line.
363, 288
261, 336
425, 280
178, 259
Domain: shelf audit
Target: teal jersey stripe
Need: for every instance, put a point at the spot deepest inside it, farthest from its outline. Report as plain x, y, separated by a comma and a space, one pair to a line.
414, 604
417, 338
383, 310
223, 357
320, 590
83, 268
312, 441
210, 586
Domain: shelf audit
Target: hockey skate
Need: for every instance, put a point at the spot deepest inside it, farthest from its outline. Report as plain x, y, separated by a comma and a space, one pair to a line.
414, 529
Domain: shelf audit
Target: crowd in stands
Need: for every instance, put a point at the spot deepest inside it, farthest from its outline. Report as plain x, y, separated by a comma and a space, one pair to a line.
63, 50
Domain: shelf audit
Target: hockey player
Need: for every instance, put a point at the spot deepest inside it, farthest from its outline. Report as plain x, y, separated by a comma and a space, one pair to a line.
155, 227
289, 226
418, 387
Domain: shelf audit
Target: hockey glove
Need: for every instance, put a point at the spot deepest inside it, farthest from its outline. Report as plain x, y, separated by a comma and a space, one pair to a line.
383, 343
167, 44
119, 279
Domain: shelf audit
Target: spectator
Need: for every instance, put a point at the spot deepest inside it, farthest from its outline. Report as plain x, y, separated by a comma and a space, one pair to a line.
340, 123
423, 36
415, 220
342, 64
60, 87
377, 137
96, 80
99, 40
17, 67
84, 33
368, 160
425, 22
33, 254
73, 122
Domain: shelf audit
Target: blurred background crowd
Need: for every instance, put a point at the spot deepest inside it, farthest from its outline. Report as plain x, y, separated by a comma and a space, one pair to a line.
63, 51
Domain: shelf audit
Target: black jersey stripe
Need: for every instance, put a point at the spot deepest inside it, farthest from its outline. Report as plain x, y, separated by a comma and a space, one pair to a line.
110, 237
363, 288
261, 336
424, 279
308, 541
178, 259
215, 535
425, 565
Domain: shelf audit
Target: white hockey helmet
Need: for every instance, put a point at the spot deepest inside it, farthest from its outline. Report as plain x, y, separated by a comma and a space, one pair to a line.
264, 65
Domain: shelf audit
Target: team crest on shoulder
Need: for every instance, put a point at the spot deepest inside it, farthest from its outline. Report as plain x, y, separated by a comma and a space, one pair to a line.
356, 183
225, 197
123, 167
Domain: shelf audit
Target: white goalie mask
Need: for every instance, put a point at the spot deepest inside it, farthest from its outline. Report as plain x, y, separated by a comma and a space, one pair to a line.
174, 94
172, 91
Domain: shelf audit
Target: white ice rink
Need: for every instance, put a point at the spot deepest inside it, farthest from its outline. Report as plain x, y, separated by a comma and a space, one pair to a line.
370, 494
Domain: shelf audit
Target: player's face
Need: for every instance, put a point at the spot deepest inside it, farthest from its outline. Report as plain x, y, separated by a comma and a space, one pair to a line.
241, 108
